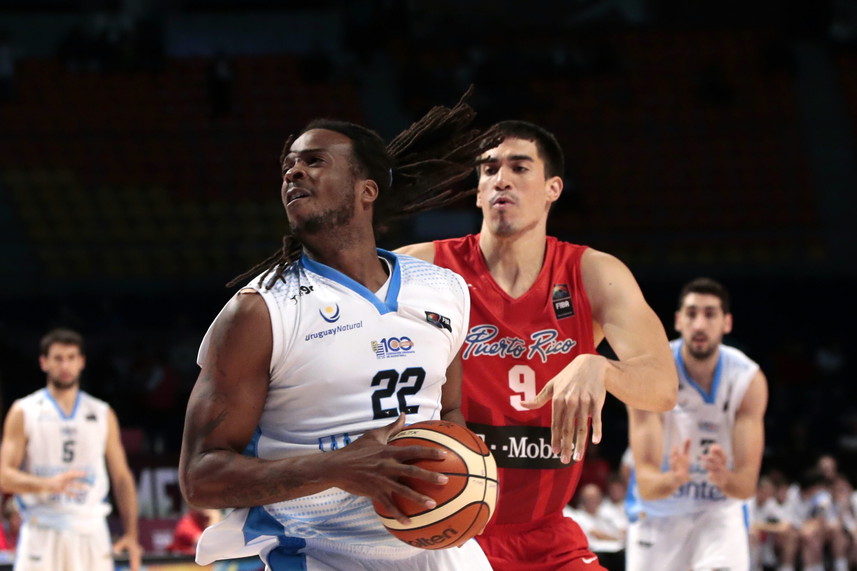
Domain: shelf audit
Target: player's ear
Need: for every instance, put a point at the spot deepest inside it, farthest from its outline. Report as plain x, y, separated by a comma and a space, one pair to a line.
368, 190
43, 363
727, 324
553, 186
677, 321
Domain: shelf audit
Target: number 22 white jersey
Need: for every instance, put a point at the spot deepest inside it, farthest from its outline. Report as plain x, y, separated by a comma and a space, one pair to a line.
58, 443
345, 362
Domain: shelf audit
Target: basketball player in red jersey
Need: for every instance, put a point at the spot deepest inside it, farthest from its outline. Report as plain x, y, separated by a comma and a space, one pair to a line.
533, 382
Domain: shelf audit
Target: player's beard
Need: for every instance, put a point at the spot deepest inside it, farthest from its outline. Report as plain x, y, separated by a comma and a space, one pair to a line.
504, 228
705, 352
328, 220
61, 385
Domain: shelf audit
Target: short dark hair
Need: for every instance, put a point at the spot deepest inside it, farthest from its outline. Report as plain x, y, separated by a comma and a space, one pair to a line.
547, 146
706, 286
368, 149
62, 336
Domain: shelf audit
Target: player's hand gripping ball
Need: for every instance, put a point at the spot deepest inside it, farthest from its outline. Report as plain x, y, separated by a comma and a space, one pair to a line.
464, 504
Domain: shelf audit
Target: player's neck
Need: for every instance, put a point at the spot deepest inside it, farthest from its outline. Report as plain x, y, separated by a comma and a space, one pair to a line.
65, 397
514, 261
701, 370
357, 260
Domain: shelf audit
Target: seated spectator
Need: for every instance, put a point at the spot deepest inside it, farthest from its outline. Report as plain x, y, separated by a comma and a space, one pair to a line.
842, 492
773, 536
613, 505
189, 528
606, 539
819, 526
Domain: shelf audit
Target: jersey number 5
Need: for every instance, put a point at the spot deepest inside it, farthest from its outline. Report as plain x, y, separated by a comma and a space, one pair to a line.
67, 451
409, 383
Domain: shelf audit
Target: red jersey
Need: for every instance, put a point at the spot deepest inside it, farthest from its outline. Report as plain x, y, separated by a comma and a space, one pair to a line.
513, 348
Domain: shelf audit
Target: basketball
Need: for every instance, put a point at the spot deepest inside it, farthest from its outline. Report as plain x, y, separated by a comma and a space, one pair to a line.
464, 504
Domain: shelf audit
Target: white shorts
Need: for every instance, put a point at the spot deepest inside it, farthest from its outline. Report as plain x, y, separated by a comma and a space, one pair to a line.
469, 556
46, 549
714, 539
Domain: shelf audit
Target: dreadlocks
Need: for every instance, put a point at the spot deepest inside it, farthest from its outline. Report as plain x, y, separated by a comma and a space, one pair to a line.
420, 169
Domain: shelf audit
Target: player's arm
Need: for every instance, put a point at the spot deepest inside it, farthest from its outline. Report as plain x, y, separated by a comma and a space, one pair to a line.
225, 407
16, 481
748, 442
450, 398
646, 436
423, 251
644, 376
125, 492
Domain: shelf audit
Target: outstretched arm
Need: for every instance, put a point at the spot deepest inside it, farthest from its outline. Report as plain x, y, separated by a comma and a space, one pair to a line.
643, 377
125, 492
225, 407
748, 441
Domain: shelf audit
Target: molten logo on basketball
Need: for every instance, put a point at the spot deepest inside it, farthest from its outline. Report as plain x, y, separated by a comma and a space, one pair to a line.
464, 504
435, 540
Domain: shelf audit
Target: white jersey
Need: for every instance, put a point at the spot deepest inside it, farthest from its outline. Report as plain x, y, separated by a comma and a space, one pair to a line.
58, 443
343, 362
705, 418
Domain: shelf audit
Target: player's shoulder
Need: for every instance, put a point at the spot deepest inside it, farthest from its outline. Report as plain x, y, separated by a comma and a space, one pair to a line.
593, 260
416, 271
422, 250
91, 400
289, 284
736, 357
32, 399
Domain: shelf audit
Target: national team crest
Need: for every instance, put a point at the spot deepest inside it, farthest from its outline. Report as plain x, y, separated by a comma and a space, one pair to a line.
561, 299
330, 313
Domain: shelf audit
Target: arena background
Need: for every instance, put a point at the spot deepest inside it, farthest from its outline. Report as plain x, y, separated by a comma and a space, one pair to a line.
139, 145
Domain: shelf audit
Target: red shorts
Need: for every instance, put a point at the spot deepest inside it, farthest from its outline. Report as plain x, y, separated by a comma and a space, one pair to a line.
552, 543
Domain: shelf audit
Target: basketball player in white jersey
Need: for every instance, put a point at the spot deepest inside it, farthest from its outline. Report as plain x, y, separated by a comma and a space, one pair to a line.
309, 369
695, 465
59, 446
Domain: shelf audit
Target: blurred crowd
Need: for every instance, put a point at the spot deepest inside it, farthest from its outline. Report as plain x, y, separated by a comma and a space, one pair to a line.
805, 522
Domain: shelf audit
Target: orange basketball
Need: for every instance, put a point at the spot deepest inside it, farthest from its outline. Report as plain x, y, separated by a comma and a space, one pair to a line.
464, 504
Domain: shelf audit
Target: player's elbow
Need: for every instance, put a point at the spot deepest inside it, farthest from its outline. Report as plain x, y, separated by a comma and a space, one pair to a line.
668, 399
197, 495
198, 488
665, 396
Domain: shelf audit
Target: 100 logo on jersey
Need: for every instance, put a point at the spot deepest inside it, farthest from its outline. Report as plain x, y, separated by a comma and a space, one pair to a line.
393, 347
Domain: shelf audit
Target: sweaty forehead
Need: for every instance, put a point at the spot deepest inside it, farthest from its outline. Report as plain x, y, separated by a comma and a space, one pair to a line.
321, 140
512, 149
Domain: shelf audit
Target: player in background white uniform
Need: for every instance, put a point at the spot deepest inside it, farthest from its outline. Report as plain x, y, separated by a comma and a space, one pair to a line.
59, 445
695, 465
303, 372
